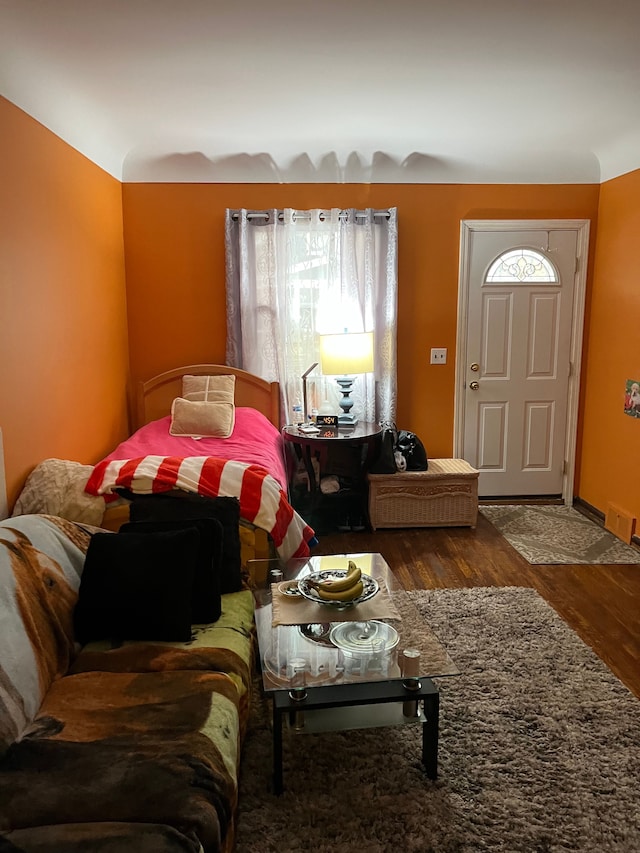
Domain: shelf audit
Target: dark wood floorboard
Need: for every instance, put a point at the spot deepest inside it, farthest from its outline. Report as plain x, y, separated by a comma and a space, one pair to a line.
601, 603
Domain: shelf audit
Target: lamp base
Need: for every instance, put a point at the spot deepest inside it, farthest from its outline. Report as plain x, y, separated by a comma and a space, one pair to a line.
346, 420
346, 403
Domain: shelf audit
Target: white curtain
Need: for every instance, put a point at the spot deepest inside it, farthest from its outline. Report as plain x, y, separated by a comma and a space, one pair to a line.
294, 275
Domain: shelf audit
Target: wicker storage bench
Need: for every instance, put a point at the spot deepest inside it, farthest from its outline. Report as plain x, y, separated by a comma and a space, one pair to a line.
446, 495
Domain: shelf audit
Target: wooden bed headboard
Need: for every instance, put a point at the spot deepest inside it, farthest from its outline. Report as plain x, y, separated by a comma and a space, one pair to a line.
154, 397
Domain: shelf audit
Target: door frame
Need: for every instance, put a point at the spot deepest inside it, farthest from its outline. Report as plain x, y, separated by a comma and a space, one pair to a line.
581, 226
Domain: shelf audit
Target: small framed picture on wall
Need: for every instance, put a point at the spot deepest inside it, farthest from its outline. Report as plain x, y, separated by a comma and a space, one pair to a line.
632, 398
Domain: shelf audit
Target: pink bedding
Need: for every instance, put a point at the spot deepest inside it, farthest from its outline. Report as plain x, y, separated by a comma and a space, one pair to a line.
248, 465
254, 440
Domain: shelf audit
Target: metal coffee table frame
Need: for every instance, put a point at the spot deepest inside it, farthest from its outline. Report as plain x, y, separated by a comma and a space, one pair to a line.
354, 696
353, 703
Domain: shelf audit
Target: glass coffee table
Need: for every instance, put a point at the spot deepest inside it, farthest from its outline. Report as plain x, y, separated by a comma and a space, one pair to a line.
331, 667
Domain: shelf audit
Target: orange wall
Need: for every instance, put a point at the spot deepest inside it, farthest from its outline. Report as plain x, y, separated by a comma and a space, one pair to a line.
68, 232
63, 332
174, 239
611, 439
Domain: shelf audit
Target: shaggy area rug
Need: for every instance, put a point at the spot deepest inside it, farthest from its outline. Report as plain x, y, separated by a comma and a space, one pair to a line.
539, 751
558, 534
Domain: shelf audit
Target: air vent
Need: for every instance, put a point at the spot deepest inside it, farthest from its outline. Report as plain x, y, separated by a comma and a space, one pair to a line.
620, 523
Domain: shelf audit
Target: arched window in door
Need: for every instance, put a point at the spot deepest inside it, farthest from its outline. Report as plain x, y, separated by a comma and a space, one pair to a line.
524, 265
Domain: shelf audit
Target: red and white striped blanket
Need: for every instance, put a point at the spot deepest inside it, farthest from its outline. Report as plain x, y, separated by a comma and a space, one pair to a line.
262, 501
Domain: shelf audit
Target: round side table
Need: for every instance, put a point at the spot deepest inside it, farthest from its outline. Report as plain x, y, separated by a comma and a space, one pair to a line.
363, 435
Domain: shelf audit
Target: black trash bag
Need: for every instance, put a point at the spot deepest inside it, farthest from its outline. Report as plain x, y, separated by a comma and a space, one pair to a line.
413, 451
385, 462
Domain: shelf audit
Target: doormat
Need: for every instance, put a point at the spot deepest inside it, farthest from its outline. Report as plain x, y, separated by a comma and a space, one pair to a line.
557, 534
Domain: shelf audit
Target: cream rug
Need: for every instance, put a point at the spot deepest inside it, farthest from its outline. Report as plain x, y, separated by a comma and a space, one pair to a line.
558, 534
539, 751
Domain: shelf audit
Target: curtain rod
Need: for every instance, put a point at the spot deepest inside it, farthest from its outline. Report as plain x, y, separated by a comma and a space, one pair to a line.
264, 214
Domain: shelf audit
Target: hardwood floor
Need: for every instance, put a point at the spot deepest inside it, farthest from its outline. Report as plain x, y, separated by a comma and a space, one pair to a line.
601, 603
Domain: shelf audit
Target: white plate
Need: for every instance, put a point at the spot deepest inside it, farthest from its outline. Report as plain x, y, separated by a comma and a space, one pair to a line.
362, 638
370, 588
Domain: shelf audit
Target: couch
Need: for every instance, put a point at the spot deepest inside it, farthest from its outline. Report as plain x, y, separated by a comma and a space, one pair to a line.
112, 746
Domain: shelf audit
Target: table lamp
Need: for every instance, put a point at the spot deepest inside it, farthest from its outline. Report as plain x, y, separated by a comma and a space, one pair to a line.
346, 354
305, 408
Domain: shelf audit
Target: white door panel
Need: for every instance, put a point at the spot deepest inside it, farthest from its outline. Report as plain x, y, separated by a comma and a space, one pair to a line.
514, 384
492, 425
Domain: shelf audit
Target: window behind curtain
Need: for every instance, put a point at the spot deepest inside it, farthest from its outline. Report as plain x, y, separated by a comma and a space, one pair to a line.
293, 275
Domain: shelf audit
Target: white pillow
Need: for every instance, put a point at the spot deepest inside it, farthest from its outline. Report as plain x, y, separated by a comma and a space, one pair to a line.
201, 418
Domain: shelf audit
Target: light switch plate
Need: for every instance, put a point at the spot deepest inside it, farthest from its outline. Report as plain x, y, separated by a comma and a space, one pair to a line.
438, 355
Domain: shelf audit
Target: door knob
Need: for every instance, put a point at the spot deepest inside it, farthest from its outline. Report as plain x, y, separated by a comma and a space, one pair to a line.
474, 385
475, 366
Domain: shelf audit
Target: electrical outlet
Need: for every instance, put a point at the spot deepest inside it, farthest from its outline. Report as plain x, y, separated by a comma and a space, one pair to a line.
438, 355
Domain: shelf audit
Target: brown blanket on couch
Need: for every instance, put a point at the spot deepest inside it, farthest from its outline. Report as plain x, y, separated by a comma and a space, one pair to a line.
158, 747
136, 748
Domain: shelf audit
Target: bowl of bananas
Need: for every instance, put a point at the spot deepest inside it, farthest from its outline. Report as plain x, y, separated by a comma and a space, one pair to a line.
339, 588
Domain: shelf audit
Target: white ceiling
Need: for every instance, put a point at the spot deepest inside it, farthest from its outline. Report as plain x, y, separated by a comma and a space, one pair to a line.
413, 91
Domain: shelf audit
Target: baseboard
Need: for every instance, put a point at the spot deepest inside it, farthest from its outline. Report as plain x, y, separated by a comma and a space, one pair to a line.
527, 500
588, 510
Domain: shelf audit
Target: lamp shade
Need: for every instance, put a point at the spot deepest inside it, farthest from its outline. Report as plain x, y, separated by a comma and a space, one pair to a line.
347, 353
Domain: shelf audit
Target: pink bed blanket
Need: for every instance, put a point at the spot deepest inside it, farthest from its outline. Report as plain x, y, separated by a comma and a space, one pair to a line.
248, 465
254, 440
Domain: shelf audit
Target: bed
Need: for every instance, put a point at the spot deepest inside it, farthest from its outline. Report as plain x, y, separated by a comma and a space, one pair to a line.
248, 464
154, 397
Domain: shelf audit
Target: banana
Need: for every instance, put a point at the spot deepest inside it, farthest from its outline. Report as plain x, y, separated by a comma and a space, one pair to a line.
342, 595
339, 584
352, 576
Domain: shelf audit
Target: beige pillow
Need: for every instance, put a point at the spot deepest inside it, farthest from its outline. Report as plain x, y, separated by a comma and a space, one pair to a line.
219, 389
200, 418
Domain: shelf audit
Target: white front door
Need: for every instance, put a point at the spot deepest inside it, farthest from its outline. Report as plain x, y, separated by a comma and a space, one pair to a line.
521, 292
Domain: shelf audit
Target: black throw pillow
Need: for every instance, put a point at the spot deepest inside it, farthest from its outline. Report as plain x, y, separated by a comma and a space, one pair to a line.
206, 605
137, 587
186, 506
